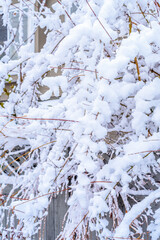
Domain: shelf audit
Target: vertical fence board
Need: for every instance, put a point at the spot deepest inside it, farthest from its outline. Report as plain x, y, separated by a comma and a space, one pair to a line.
56, 212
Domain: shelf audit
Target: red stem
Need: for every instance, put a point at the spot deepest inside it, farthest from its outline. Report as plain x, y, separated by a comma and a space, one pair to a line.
67, 13
49, 119
78, 69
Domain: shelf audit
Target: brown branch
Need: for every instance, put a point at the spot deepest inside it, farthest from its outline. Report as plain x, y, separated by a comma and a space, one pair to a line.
153, 71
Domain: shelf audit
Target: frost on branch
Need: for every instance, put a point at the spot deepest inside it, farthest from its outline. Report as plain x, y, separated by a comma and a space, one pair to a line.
99, 139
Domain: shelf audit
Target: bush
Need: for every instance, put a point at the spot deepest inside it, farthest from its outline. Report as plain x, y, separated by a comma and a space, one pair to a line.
100, 135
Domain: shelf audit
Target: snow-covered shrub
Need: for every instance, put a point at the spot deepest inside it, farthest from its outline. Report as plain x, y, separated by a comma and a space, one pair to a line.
100, 138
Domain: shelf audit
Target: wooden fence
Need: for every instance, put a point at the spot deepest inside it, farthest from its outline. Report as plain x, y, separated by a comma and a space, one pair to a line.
54, 221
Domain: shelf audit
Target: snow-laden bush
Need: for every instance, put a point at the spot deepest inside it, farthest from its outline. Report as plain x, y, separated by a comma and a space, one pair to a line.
100, 138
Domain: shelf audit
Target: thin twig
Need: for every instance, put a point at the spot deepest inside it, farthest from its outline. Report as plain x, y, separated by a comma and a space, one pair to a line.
66, 162
79, 224
39, 119
99, 20
40, 197
26, 154
66, 13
